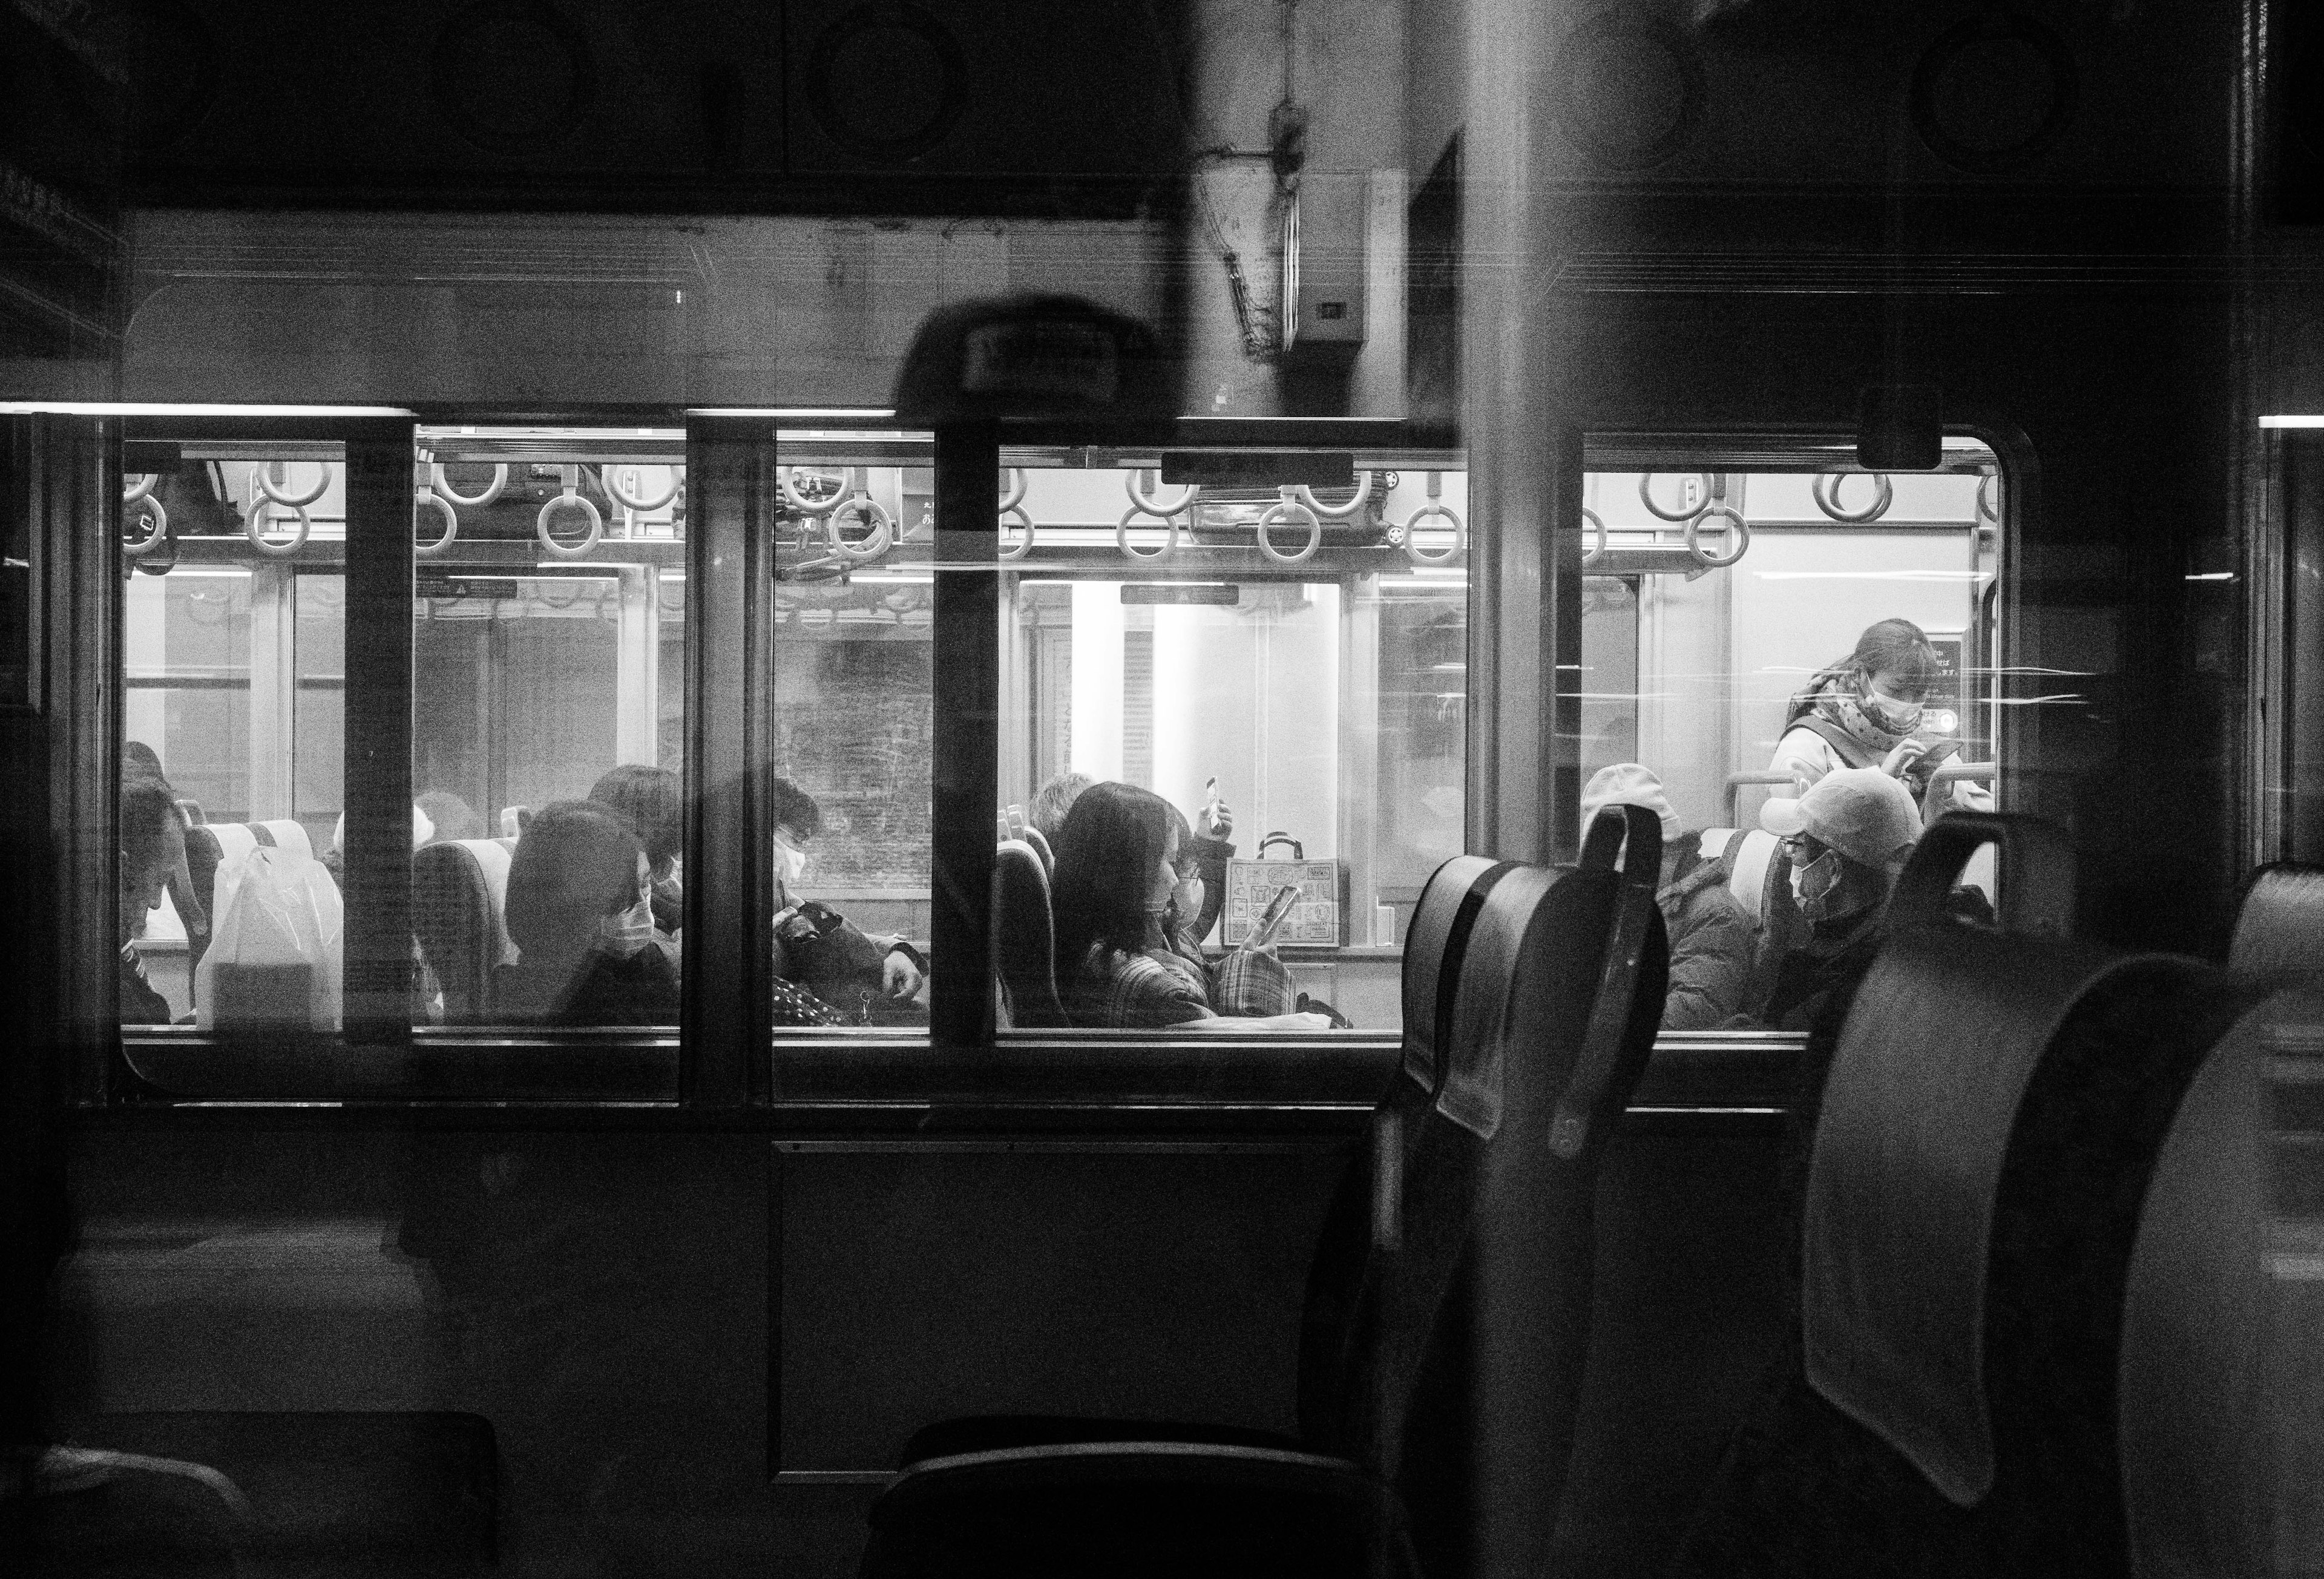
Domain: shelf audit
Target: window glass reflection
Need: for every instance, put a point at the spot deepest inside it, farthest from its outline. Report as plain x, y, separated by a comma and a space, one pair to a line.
233, 680
1234, 726
1797, 673
848, 792
548, 610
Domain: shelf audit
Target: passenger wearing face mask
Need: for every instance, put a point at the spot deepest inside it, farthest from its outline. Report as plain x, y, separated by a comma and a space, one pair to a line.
577, 871
1866, 712
1847, 838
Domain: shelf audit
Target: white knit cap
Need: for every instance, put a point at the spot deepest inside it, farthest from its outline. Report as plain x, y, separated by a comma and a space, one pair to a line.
1627, 784
1861, 812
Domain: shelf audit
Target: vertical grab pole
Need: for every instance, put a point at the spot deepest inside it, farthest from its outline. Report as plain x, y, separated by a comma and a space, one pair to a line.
377, 753
967, 736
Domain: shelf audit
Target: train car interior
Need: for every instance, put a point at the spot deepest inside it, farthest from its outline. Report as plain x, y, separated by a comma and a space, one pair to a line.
1437, 788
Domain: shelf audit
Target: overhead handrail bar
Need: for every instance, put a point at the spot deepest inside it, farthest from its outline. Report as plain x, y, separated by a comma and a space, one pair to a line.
1286, 500
1981, 772
572, 498
498, 487
1436, 509
1826, 489
261, 481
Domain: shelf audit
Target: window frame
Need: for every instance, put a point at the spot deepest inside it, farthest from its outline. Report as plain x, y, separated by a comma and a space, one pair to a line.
728, 1056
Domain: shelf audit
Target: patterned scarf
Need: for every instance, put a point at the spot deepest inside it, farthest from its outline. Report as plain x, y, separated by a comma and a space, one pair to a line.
1839, 701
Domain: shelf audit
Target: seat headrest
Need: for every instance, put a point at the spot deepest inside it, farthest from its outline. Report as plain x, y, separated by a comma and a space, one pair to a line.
1469, 1092
1935, 1058
1432, 948
2280, 926
288, 834
1039, 843
1024, 939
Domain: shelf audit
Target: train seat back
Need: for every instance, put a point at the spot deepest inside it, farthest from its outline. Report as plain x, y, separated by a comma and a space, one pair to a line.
1758, 878
459, 896
1996, 1101
1023, 936
2280, 924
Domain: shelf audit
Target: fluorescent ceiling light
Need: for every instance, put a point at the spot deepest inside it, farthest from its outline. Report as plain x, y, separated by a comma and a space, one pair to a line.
785, 413
159, 409
2292, 421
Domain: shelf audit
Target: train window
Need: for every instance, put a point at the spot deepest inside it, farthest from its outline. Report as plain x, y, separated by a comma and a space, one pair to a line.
1746, 633
850, 729
232, 676
1258, 684
548, 605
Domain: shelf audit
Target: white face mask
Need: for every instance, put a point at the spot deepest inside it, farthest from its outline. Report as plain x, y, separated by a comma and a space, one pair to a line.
1812, 885
629, 927
1892, 714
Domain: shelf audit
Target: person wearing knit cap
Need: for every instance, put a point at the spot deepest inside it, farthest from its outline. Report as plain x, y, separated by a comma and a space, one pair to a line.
1710, 936
1847, 838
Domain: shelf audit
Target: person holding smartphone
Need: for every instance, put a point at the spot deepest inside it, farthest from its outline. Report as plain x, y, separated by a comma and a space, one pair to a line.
1866, 711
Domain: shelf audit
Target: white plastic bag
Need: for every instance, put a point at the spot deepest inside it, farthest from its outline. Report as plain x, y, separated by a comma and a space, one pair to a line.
273, 908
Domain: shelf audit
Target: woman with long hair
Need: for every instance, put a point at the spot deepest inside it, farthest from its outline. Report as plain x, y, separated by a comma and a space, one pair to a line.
577, 869
1118, 967
1866, 711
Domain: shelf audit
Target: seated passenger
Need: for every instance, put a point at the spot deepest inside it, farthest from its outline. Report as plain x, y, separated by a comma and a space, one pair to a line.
872, 977
1865, 712
653, 802
577, 869
1848, 837
1710, 937
140, 761
1052, 800
153, 849
1118, 969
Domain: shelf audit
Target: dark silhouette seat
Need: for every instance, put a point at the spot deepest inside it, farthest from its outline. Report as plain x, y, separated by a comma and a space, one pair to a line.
1023, 936
459, 896
2280, 924
1988, 1130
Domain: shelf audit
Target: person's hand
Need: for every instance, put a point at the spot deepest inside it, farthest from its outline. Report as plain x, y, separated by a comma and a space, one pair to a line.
1900, 760
1218, 820
899, 978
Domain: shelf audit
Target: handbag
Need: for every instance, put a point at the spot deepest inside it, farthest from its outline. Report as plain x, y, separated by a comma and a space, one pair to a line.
1313, 922
832, 958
